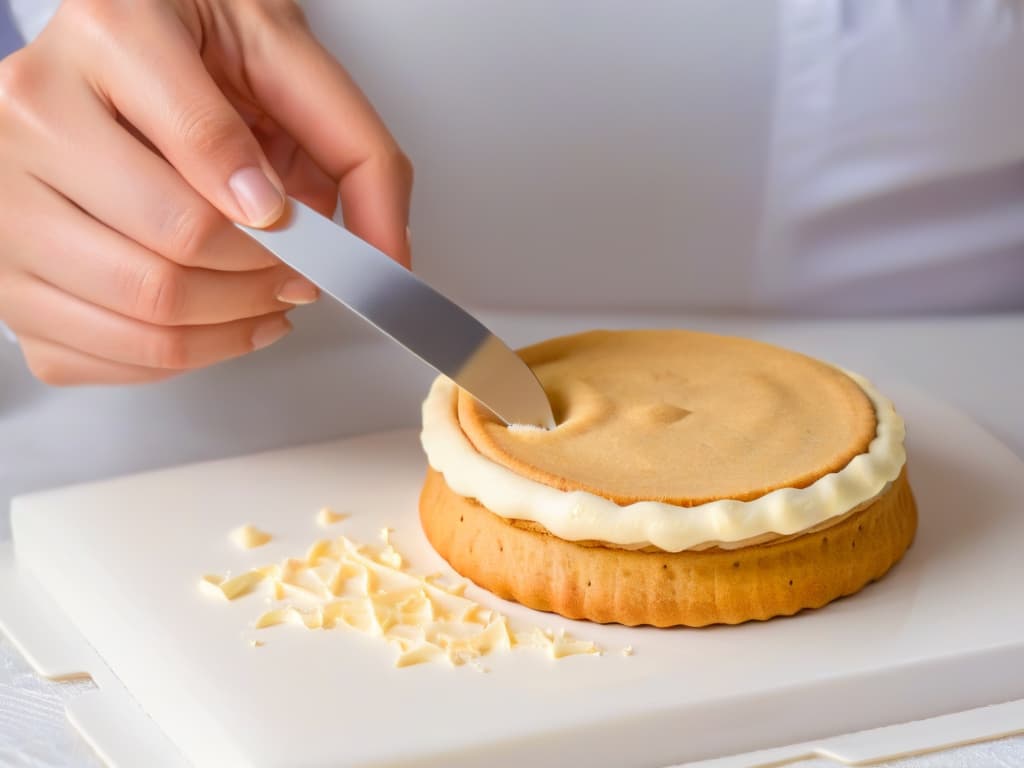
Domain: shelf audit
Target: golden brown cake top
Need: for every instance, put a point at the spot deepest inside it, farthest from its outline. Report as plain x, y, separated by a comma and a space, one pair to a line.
679, 417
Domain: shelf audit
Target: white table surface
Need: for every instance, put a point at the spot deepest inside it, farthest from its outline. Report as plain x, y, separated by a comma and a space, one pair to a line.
319, 384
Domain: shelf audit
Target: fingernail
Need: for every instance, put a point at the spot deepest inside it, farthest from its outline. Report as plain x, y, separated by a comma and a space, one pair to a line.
298, 291
268, 332
259, 199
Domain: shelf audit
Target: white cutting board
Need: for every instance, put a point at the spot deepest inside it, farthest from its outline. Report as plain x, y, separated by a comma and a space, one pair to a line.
120, 560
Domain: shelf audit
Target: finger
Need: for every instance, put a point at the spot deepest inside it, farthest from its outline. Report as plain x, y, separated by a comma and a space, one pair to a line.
157, 80
303, 179
91, 261
40, 310
315, 100
120, 182
61, 366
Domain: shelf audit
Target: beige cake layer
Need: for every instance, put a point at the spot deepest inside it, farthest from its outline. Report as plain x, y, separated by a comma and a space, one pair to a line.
679, 417
693, 588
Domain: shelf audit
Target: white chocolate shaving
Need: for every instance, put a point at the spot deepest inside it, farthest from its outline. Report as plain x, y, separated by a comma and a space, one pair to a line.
369, 589
239, 585
327, 516
249, 537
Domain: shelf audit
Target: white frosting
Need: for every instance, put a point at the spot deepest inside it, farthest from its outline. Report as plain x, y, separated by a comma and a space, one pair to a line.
583, 516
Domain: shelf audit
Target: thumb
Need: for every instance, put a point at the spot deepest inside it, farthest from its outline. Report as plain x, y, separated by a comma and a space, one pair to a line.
192, 124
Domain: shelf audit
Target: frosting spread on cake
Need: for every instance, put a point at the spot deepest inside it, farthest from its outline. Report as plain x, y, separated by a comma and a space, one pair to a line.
669, 524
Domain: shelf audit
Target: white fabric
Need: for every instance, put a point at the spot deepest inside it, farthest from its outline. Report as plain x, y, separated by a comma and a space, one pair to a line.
1005, 753
34, 732
898, 157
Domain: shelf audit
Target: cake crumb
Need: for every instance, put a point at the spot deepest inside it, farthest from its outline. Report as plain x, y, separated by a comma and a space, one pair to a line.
256, 643
249, 537
327, 516
627, 651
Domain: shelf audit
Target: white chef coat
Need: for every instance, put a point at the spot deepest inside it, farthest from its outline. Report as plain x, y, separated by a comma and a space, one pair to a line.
804, 156
819, 156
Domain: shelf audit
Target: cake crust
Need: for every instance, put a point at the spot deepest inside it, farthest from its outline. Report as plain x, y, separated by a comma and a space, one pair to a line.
692, 588
678, 417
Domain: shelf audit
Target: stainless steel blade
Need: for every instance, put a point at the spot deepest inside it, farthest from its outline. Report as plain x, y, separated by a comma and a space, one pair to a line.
428, 324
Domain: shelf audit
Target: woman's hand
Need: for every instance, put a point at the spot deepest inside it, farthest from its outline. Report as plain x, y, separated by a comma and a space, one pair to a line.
132, 133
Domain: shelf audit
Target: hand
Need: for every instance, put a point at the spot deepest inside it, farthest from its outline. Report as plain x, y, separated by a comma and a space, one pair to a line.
132, 133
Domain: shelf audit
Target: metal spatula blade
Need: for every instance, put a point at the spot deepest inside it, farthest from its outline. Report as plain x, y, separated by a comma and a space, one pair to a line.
428, 324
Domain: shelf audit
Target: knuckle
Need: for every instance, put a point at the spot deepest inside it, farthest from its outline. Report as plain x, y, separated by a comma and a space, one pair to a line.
90, 29
160, 294
291, 13
92, 15
206, 130
188, 231
400, 165
169, 349
18, 83
286, 13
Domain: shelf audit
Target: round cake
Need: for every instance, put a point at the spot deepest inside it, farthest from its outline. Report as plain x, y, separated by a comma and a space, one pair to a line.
691, 479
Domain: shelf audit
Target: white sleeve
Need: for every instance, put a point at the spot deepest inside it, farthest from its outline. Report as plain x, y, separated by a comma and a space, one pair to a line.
895, 181
32, 15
